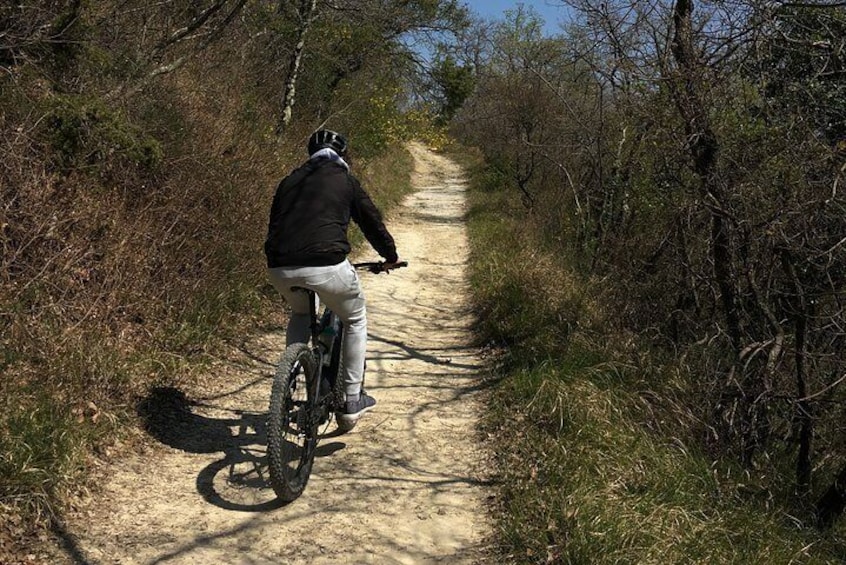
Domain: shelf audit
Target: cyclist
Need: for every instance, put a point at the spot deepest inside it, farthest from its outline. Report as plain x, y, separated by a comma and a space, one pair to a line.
307, 247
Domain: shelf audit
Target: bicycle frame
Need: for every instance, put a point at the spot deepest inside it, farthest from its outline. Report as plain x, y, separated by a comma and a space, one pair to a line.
317, 349
320, 350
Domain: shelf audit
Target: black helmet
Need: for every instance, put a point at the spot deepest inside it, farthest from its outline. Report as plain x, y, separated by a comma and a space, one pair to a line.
326, 138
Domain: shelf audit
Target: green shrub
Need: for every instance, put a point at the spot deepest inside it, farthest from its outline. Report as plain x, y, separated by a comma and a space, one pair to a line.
85, 133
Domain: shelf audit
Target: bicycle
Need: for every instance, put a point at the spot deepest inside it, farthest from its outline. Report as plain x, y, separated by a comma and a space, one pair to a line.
307, 390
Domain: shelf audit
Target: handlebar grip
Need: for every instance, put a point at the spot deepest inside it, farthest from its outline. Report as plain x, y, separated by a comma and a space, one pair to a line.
379, 267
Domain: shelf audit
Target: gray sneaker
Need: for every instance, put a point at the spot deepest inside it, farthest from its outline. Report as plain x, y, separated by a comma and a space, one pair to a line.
354, 410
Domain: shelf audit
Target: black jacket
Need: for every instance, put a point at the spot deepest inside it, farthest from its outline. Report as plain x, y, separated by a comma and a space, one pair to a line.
310, 214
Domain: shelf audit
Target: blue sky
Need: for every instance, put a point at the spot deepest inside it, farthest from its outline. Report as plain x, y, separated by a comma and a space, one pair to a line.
552, 11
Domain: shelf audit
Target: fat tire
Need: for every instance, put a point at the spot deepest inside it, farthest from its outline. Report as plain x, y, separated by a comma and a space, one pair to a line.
291, 444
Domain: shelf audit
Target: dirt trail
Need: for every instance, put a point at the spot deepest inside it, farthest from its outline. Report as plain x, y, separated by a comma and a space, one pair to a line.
406, 486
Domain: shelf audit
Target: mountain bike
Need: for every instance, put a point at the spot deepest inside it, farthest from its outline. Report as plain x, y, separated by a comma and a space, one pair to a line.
308, 388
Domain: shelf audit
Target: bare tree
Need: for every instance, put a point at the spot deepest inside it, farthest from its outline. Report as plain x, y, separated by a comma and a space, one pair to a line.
178, 43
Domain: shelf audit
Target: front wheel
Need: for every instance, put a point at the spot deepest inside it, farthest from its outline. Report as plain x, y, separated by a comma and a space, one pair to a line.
291, 426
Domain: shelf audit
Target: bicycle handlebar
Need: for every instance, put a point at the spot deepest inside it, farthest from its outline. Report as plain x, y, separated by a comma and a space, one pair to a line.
379, 266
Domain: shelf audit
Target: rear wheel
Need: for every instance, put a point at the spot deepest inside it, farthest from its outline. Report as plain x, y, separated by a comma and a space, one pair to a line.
292, 426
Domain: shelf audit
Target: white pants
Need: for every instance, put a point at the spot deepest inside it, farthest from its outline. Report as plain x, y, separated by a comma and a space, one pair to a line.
338, 287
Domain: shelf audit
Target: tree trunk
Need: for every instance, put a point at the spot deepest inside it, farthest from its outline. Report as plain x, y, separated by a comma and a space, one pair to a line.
306, 15
804, 416
704, 147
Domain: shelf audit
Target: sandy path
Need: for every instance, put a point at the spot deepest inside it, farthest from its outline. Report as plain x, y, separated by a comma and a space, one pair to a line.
406, 486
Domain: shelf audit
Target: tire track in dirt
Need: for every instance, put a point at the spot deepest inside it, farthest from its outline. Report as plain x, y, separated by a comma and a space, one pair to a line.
406, 486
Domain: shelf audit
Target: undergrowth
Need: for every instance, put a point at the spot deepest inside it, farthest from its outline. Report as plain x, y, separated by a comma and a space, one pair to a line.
598, 450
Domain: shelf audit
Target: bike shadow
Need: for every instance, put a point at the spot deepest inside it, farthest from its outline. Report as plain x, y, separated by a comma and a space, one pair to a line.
239, 480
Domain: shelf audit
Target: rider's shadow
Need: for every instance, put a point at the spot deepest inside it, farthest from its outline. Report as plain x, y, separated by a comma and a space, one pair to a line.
170, 417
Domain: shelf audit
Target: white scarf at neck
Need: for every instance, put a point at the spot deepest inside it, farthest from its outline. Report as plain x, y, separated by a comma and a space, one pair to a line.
329, 153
